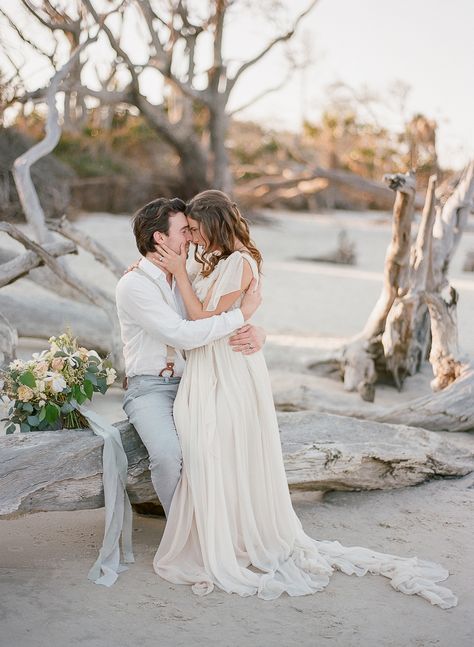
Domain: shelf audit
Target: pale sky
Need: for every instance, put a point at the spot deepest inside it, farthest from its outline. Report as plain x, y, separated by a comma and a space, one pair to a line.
426, 44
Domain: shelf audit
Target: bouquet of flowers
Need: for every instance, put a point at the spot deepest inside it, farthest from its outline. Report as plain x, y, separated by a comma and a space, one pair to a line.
44, 392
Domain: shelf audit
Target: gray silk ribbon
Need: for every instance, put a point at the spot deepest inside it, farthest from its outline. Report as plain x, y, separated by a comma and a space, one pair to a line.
118, 511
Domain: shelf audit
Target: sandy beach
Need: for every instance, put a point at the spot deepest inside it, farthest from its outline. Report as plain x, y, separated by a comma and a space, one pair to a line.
308, 308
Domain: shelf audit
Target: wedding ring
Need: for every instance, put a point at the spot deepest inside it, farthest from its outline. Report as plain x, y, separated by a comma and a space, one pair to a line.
161, 258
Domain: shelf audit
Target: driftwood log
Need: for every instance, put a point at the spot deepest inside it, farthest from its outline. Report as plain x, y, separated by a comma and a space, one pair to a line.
451, 409
265, 191
61, 470
43, 316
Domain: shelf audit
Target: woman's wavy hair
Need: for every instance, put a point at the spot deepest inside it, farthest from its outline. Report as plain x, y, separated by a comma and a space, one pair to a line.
222, 224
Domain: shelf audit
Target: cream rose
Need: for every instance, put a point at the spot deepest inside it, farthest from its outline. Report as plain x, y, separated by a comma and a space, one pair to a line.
40, 369
25, 393
57, 364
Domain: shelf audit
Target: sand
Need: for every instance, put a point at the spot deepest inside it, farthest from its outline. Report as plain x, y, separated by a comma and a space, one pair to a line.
46, 598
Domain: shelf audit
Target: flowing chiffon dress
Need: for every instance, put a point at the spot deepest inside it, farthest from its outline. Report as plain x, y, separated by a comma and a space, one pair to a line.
231, 523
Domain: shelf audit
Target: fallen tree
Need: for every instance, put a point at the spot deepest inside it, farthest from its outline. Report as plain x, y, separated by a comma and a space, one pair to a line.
451, 409
62, 470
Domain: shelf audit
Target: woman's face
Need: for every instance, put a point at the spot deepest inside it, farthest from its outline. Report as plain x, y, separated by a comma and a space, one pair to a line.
196, 232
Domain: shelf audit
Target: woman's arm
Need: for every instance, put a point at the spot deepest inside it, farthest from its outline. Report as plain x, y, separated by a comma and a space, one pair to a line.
176, 264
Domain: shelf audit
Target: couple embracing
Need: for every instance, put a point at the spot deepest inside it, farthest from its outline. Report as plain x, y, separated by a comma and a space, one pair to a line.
199, 396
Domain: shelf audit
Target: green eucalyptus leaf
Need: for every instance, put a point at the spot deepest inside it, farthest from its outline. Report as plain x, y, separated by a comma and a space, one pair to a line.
67, 408
52, 412
88, 388
28, 379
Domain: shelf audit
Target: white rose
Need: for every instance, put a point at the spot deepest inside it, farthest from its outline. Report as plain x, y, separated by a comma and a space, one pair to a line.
57, 382
111, 376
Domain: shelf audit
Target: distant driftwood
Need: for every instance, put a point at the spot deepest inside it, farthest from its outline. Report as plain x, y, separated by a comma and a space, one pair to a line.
344, 254
44, 471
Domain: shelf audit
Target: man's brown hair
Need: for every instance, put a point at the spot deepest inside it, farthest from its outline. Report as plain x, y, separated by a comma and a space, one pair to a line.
154, 216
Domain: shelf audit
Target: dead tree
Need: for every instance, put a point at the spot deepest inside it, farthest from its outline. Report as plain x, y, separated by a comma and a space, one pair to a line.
441, 297
59, 276
416, 311
360, 355
193, 119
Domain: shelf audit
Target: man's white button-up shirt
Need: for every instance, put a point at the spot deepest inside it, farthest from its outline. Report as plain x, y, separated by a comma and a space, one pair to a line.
149, 323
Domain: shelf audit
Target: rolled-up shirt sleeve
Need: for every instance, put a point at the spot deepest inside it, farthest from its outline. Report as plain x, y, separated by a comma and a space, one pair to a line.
159, 320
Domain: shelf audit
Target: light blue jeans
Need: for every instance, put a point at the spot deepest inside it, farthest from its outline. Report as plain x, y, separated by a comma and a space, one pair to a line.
148, 403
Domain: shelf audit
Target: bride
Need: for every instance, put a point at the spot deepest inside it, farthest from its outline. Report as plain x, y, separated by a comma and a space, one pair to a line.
231, 523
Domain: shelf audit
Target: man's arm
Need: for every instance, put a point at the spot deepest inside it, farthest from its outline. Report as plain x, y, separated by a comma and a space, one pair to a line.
155, 316
248, 339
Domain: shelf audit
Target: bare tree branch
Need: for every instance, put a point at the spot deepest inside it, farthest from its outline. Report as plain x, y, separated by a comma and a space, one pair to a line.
280, 39
61, 21
261, 95
24, 38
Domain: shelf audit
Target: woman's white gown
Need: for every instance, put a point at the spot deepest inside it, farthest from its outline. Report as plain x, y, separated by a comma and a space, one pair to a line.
231, 522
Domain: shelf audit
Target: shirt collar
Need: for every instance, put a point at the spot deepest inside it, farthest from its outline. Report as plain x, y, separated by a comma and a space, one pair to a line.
154, 271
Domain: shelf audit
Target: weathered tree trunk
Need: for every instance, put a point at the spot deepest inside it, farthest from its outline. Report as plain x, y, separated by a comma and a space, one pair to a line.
360, 354
218, 125
406, 336
441, 297
417, 305
63, 470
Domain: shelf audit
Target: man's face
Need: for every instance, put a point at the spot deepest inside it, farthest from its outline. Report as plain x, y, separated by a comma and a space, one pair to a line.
178, 233
197, 235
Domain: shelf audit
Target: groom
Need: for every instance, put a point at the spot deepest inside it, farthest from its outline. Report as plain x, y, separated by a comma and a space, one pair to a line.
156, 334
